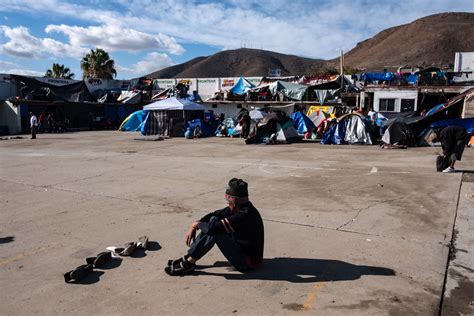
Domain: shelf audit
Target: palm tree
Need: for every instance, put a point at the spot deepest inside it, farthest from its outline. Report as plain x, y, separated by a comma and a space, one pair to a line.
59, 71
97, 64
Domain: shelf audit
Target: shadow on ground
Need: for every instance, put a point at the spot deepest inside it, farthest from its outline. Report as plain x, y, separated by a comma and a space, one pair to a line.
300, 270
6, 240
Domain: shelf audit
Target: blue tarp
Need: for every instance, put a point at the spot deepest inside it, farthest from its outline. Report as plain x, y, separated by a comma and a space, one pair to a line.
134, 121
242, 86
373, 76
467, 123
302, 123
335, 135
412, 79
435, 109
206, 129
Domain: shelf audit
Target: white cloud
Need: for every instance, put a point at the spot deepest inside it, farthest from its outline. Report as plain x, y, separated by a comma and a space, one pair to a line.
307, 28
114, 37
22, 44
152, 62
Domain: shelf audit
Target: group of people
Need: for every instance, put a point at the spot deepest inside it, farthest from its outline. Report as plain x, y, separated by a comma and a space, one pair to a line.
46, 123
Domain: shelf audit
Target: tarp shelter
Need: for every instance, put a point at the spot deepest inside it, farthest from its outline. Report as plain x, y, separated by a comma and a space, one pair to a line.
257, 115
134, 121
348, 129
378, 76
206, 129
74, 92
292, 91
318, 117
242, 86
302, 123
130, 97
467, 123
399, 133
328, 90
274, 128
167, 117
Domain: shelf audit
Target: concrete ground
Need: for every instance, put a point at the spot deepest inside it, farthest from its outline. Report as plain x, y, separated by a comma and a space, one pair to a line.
348, 229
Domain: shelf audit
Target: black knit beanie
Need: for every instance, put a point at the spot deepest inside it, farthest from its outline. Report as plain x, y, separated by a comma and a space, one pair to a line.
237, 191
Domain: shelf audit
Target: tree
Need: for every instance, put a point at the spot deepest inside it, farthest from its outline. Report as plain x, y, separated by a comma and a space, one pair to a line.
97, 64
59, 71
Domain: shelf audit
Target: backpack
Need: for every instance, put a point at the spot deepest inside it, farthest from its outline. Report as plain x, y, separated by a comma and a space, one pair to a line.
442, 162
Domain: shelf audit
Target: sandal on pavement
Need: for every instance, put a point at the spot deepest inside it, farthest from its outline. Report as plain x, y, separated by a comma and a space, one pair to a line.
78, 273
180, 269
100, 259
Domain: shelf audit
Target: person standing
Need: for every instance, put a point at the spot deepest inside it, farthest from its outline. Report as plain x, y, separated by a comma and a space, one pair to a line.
33, 125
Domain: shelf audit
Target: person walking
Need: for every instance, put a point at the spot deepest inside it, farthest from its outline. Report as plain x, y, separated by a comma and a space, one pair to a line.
33, 125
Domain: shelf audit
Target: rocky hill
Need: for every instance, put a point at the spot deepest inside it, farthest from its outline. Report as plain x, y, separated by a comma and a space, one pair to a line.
431, 40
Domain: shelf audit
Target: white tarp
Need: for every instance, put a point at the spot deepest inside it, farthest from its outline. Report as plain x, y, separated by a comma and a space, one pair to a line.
173, 103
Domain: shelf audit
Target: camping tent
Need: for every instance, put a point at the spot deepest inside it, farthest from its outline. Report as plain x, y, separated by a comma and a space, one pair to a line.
257, 115
302, 123
274, 128
348, 129
134, 121
241, 86
167, 117
399, 133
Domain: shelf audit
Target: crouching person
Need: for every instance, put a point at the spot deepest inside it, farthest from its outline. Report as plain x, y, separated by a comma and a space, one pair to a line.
236, 229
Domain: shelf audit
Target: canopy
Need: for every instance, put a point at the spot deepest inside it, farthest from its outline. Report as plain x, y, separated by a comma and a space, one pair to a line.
242, 86
173, 103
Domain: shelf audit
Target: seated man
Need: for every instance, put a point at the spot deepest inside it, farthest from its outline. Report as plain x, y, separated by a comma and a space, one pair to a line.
237, 230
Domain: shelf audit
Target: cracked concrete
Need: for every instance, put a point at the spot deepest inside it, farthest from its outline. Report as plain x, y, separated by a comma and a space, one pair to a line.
369, 237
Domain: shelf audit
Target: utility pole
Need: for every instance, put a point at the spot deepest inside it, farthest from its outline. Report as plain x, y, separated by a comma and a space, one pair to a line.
341, 70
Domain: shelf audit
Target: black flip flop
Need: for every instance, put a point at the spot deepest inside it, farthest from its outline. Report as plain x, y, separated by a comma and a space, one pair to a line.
78, 273
100, 259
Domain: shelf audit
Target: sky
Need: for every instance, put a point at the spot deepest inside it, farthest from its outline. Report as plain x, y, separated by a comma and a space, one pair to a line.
143, 36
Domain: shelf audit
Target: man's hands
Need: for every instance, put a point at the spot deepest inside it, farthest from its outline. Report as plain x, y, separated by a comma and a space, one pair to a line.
191, 234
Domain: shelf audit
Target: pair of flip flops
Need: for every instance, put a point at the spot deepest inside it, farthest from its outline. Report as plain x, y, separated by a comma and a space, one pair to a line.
82, 271
129, 247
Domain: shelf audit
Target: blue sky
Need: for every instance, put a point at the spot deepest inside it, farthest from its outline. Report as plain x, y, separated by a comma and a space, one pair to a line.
142, 36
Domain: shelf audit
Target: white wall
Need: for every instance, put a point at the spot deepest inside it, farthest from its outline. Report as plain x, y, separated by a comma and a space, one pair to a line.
397, 95
10, 116
164, 83
207, 87
464, 61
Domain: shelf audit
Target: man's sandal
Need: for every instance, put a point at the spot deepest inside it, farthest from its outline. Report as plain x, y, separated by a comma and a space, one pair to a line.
180, 269
78, 273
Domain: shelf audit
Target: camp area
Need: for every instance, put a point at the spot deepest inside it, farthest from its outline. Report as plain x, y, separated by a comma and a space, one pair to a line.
351, 230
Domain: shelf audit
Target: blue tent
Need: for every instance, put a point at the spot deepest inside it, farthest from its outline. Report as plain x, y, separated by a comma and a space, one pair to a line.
241, 86
134, 121
467, 123
302, 123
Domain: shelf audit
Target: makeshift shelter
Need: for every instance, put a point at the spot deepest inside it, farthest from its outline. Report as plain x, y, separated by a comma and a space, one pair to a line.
241, 87
130, 97
348, 129
33, 89
274, 128
291, 91
467, 123
134, 121
302, 123
167, 117
400, 134
257, 115
206, 129
328, 90
318, 117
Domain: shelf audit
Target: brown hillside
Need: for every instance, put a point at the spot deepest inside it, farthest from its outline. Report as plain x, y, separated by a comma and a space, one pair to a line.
244, 61
431, 40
